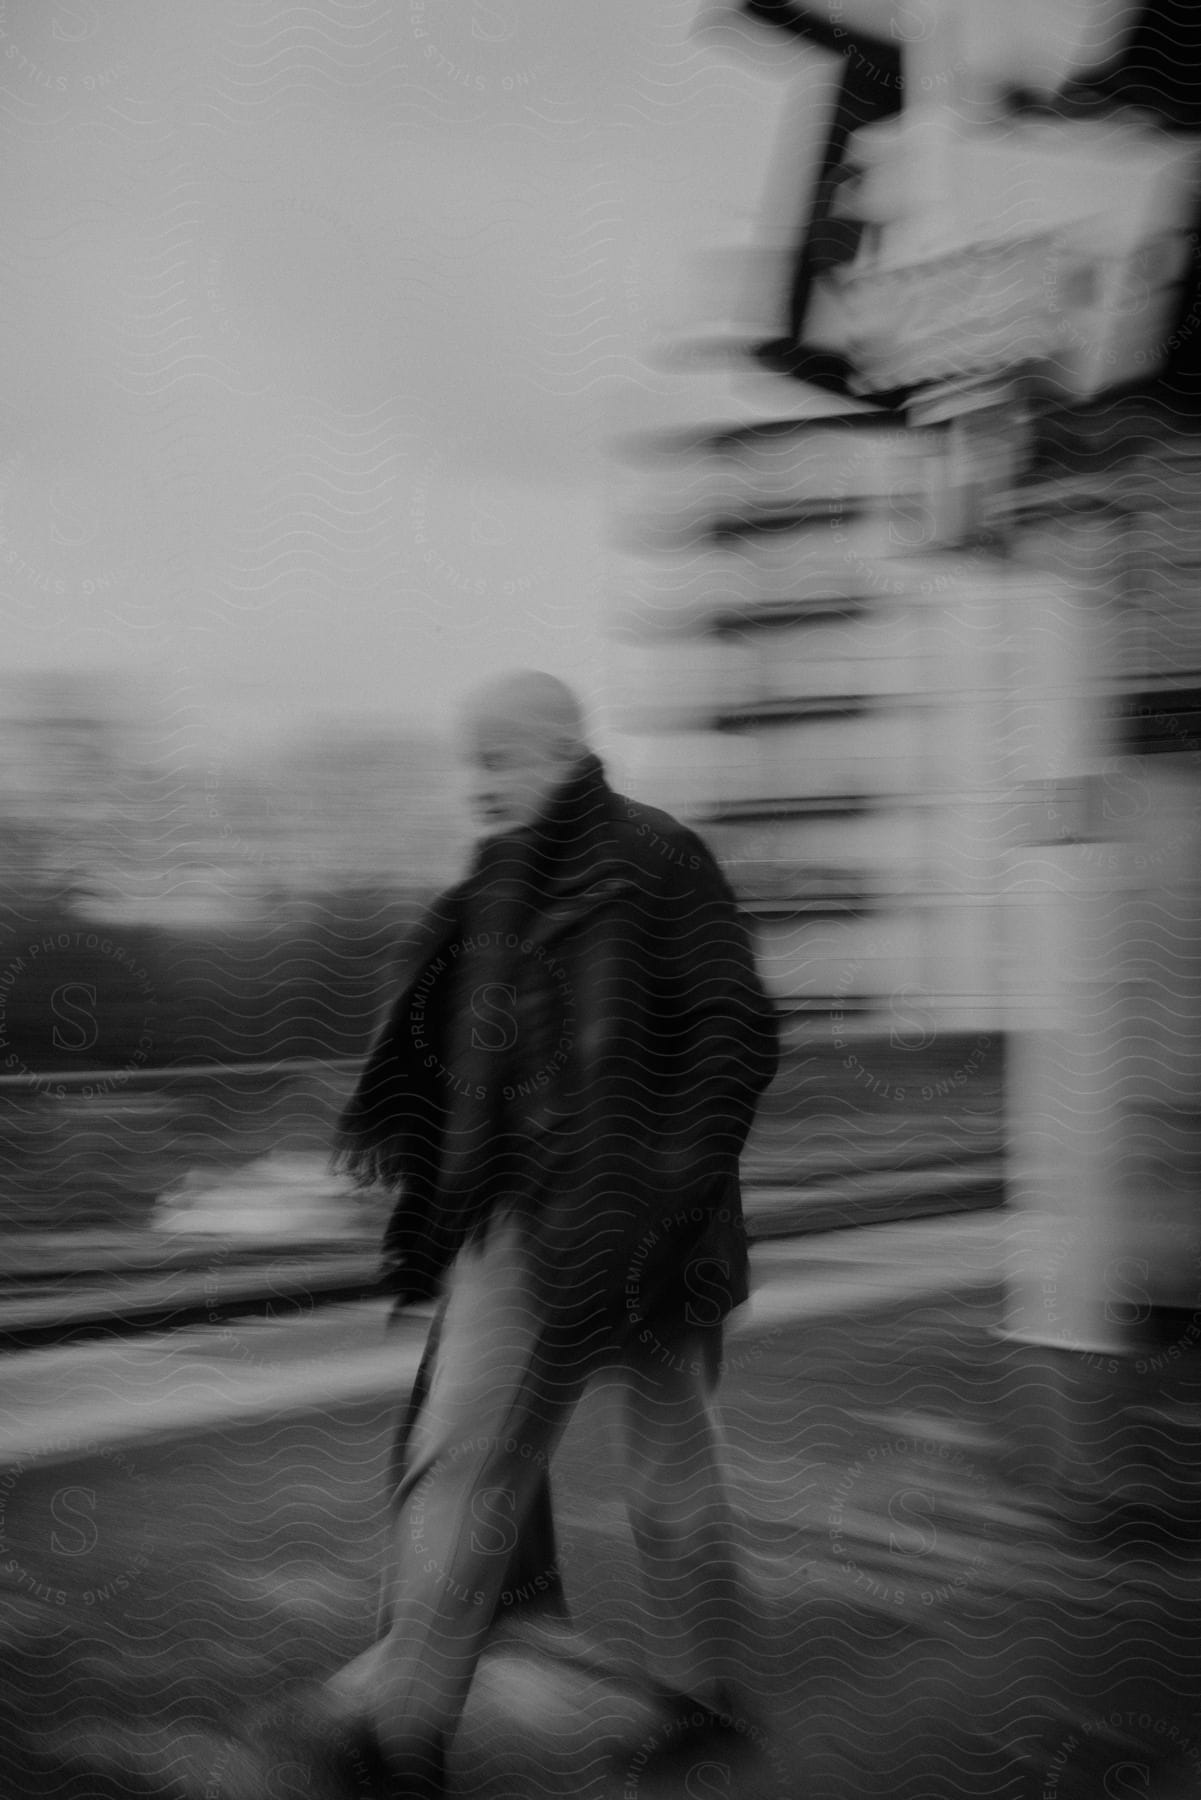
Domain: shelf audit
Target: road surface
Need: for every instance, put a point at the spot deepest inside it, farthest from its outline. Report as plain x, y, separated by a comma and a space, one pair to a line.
193, 1529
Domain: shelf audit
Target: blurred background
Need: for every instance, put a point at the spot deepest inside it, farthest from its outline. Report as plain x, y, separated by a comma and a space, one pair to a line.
320, 335
811, 385
816, 387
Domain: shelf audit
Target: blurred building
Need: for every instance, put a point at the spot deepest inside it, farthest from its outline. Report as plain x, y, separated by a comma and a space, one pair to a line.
108, 807
823, 677
929, 665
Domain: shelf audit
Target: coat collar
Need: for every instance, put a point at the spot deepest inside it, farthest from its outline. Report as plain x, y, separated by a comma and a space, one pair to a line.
568, 847
550, 873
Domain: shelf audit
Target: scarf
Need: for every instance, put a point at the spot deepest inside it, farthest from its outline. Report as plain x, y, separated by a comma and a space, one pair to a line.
446, 1140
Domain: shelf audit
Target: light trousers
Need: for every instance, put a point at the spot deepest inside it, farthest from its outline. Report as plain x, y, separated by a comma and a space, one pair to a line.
473, 1534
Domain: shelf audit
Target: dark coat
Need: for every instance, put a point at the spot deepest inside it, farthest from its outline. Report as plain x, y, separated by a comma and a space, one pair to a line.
582, 1046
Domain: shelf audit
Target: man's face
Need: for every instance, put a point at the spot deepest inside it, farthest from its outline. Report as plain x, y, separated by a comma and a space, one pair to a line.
512, 773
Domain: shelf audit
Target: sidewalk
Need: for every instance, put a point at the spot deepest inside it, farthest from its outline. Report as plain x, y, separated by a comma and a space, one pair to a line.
148, 1387
924, 1632
202, 1283
56, 1287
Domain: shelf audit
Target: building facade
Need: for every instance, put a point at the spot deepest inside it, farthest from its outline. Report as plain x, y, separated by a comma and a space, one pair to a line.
928, 666
822, 669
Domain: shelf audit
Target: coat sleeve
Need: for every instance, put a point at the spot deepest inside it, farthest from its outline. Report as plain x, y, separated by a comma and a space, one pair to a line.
587, 1184
390, 1131
676, 1041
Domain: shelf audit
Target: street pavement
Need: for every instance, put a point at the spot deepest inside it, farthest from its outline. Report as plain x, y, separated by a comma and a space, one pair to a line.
68, 1287
194, 1527
299, 1355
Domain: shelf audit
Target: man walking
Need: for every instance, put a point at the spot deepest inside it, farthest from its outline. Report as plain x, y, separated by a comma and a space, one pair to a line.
560, 1098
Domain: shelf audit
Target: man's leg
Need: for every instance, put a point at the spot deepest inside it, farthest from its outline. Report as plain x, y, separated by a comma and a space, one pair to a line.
533, 1581
533, 1584
696, 1610
399, 1460
476, 1459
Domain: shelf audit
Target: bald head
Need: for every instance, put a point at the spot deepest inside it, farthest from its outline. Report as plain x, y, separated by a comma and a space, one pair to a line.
530, 702
522, 733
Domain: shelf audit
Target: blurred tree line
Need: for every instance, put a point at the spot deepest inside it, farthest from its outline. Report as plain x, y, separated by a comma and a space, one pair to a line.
156, 910
163, 905
78, 995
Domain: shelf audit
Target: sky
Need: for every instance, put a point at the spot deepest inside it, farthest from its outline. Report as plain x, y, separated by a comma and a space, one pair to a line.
321, 320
